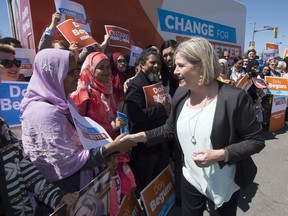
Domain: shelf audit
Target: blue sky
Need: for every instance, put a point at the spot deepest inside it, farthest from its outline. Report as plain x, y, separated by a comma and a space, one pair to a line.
263, 13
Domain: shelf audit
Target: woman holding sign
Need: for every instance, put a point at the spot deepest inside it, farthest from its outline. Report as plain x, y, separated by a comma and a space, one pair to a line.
216, 128
94, 96
49, 136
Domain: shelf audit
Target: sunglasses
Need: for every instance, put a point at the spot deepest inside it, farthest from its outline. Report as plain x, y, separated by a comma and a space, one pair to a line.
9, 64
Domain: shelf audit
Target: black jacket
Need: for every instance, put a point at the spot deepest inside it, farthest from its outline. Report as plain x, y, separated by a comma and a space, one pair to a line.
235, 128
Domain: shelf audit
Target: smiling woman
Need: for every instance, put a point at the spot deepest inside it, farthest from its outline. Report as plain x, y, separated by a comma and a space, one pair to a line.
9, 66
94, 97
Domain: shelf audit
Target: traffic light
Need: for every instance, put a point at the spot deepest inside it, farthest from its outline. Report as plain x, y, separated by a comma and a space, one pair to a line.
275, 32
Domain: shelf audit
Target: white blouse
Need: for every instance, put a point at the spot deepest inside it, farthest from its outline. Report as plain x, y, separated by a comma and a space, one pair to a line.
216, 184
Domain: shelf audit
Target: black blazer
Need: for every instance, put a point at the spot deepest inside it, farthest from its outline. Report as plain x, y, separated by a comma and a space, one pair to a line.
235, 128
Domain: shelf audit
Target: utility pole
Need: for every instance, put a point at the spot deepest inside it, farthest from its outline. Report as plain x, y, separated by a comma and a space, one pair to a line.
270, 28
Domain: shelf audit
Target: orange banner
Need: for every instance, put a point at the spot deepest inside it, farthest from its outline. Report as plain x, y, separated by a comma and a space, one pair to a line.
277, 85
119, 37
159, 196
73, 32
153, 91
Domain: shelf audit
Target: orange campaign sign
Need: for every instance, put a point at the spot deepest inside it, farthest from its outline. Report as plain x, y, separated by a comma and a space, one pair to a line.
272, 46
278, 111
244, 83
73, 32
130, 206
153, 91
159, 196
277, 85
285, 53
119, 37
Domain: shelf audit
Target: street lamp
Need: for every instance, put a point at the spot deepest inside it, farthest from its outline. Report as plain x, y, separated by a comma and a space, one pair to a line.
270, 28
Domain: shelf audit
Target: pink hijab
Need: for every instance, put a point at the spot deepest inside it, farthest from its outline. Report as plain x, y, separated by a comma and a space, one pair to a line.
102, 103
118, 77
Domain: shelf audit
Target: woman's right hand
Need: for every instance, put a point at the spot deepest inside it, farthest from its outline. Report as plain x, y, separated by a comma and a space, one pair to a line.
137, 137
119, 145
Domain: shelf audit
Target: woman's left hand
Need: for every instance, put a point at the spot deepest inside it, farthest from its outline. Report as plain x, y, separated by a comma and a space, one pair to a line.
207, 157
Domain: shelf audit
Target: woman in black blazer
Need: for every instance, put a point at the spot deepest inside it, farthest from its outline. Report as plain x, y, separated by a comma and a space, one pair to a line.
216, 128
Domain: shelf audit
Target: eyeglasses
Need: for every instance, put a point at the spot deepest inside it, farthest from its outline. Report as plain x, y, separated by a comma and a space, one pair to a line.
9, 64
226, 56
121, 61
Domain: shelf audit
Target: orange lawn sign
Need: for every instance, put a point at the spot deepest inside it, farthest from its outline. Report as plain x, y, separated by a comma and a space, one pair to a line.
130, 206
159, 196
73, 32
119, 37
153, 91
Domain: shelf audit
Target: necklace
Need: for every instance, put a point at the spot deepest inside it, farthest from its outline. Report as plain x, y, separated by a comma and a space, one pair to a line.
193, 138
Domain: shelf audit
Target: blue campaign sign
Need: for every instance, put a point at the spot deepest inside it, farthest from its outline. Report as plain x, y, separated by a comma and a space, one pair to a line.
191, 26
123, 129
11, 95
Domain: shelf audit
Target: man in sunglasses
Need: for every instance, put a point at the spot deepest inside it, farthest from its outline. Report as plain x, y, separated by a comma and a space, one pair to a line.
9, 65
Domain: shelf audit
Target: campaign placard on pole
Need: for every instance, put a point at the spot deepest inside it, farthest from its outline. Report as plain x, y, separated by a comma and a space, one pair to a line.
11, 95
119, 37
73, 32
151, 93
277, 85
72, 10
130, 206
92, 135
278, 111
159, 196
27, 57
135, 53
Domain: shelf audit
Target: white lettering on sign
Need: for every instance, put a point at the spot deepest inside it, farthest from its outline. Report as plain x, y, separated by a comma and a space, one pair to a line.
79, 31
15, 91
7, 105
26, 25
277, 86
75, 24
195, 27
160, 199
24, 13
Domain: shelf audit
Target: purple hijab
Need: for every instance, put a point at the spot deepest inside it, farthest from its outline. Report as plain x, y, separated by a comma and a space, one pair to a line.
49, 139
50, 69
